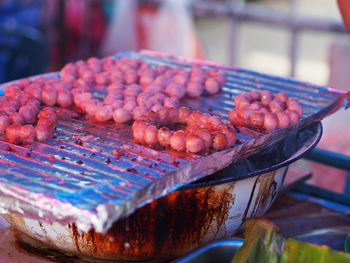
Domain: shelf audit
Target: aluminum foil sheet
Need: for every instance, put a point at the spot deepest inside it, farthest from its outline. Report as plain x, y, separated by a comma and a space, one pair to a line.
93, 174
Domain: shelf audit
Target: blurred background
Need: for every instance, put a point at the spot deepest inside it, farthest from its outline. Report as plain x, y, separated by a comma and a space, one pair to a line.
302, 39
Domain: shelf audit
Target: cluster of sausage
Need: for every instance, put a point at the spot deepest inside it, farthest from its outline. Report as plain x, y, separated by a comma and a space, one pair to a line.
133, 88
265, 110
198, 131
22, 119
126, 89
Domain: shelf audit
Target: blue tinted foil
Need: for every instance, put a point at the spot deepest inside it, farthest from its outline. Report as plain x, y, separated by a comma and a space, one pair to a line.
76, 177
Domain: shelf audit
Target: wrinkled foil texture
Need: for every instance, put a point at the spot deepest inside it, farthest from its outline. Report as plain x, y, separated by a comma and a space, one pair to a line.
76, 177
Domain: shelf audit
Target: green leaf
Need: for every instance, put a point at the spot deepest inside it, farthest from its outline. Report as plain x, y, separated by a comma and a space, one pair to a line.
347, 244
264, 244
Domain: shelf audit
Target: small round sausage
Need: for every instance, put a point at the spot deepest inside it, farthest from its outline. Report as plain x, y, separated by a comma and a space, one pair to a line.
244, 115
173, 115
241, 101
255, 106
138, 131
122, 115
34, 90
283, 119
212, 86
184, 113
270, 121
29, 113
257, 119
164, 135
17, 118
49, 95
175, 90
178, 141
13, 133
27, 133
231, 136
194, 89
293, 116
156, 107
138, 112
233, 117
4, 123
266, 97
64, 98
180, 79
276, 106
282, 97
194, 144
294, 105
130, 105
219, 141
205, 135
171, 102
151, 135
130, 77
103, 114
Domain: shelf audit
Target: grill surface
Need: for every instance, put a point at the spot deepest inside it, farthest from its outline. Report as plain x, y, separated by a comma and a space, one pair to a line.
93, 173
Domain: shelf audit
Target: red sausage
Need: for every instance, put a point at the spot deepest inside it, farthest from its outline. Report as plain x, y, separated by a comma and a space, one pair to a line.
219, 141
270, 121
283, 119
212, 86
13, 133
4, 123
138, 131
175, 90
164, 135
27, 133
257, 119
122, 115
178, 141
49, 95
194, 144
194, 89
276, 106
184, 113
151, 135
64, 98
17, 118
205, 135
266, 97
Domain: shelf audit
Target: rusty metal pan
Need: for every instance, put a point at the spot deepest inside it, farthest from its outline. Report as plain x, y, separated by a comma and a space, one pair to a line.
76, 177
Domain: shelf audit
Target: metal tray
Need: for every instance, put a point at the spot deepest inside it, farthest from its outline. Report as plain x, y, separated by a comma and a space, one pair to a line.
76, 177
219, 252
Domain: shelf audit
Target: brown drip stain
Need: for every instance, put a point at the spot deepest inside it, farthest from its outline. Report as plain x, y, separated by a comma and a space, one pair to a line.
245, 214
267, 187
163, 229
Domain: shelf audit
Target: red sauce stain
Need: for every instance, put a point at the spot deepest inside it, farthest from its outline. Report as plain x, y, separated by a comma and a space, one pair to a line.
132, 170
79, 142
9, 149
51, 158
117, 154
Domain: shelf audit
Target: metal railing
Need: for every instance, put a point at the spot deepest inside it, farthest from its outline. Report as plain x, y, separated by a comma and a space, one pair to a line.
238, 12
